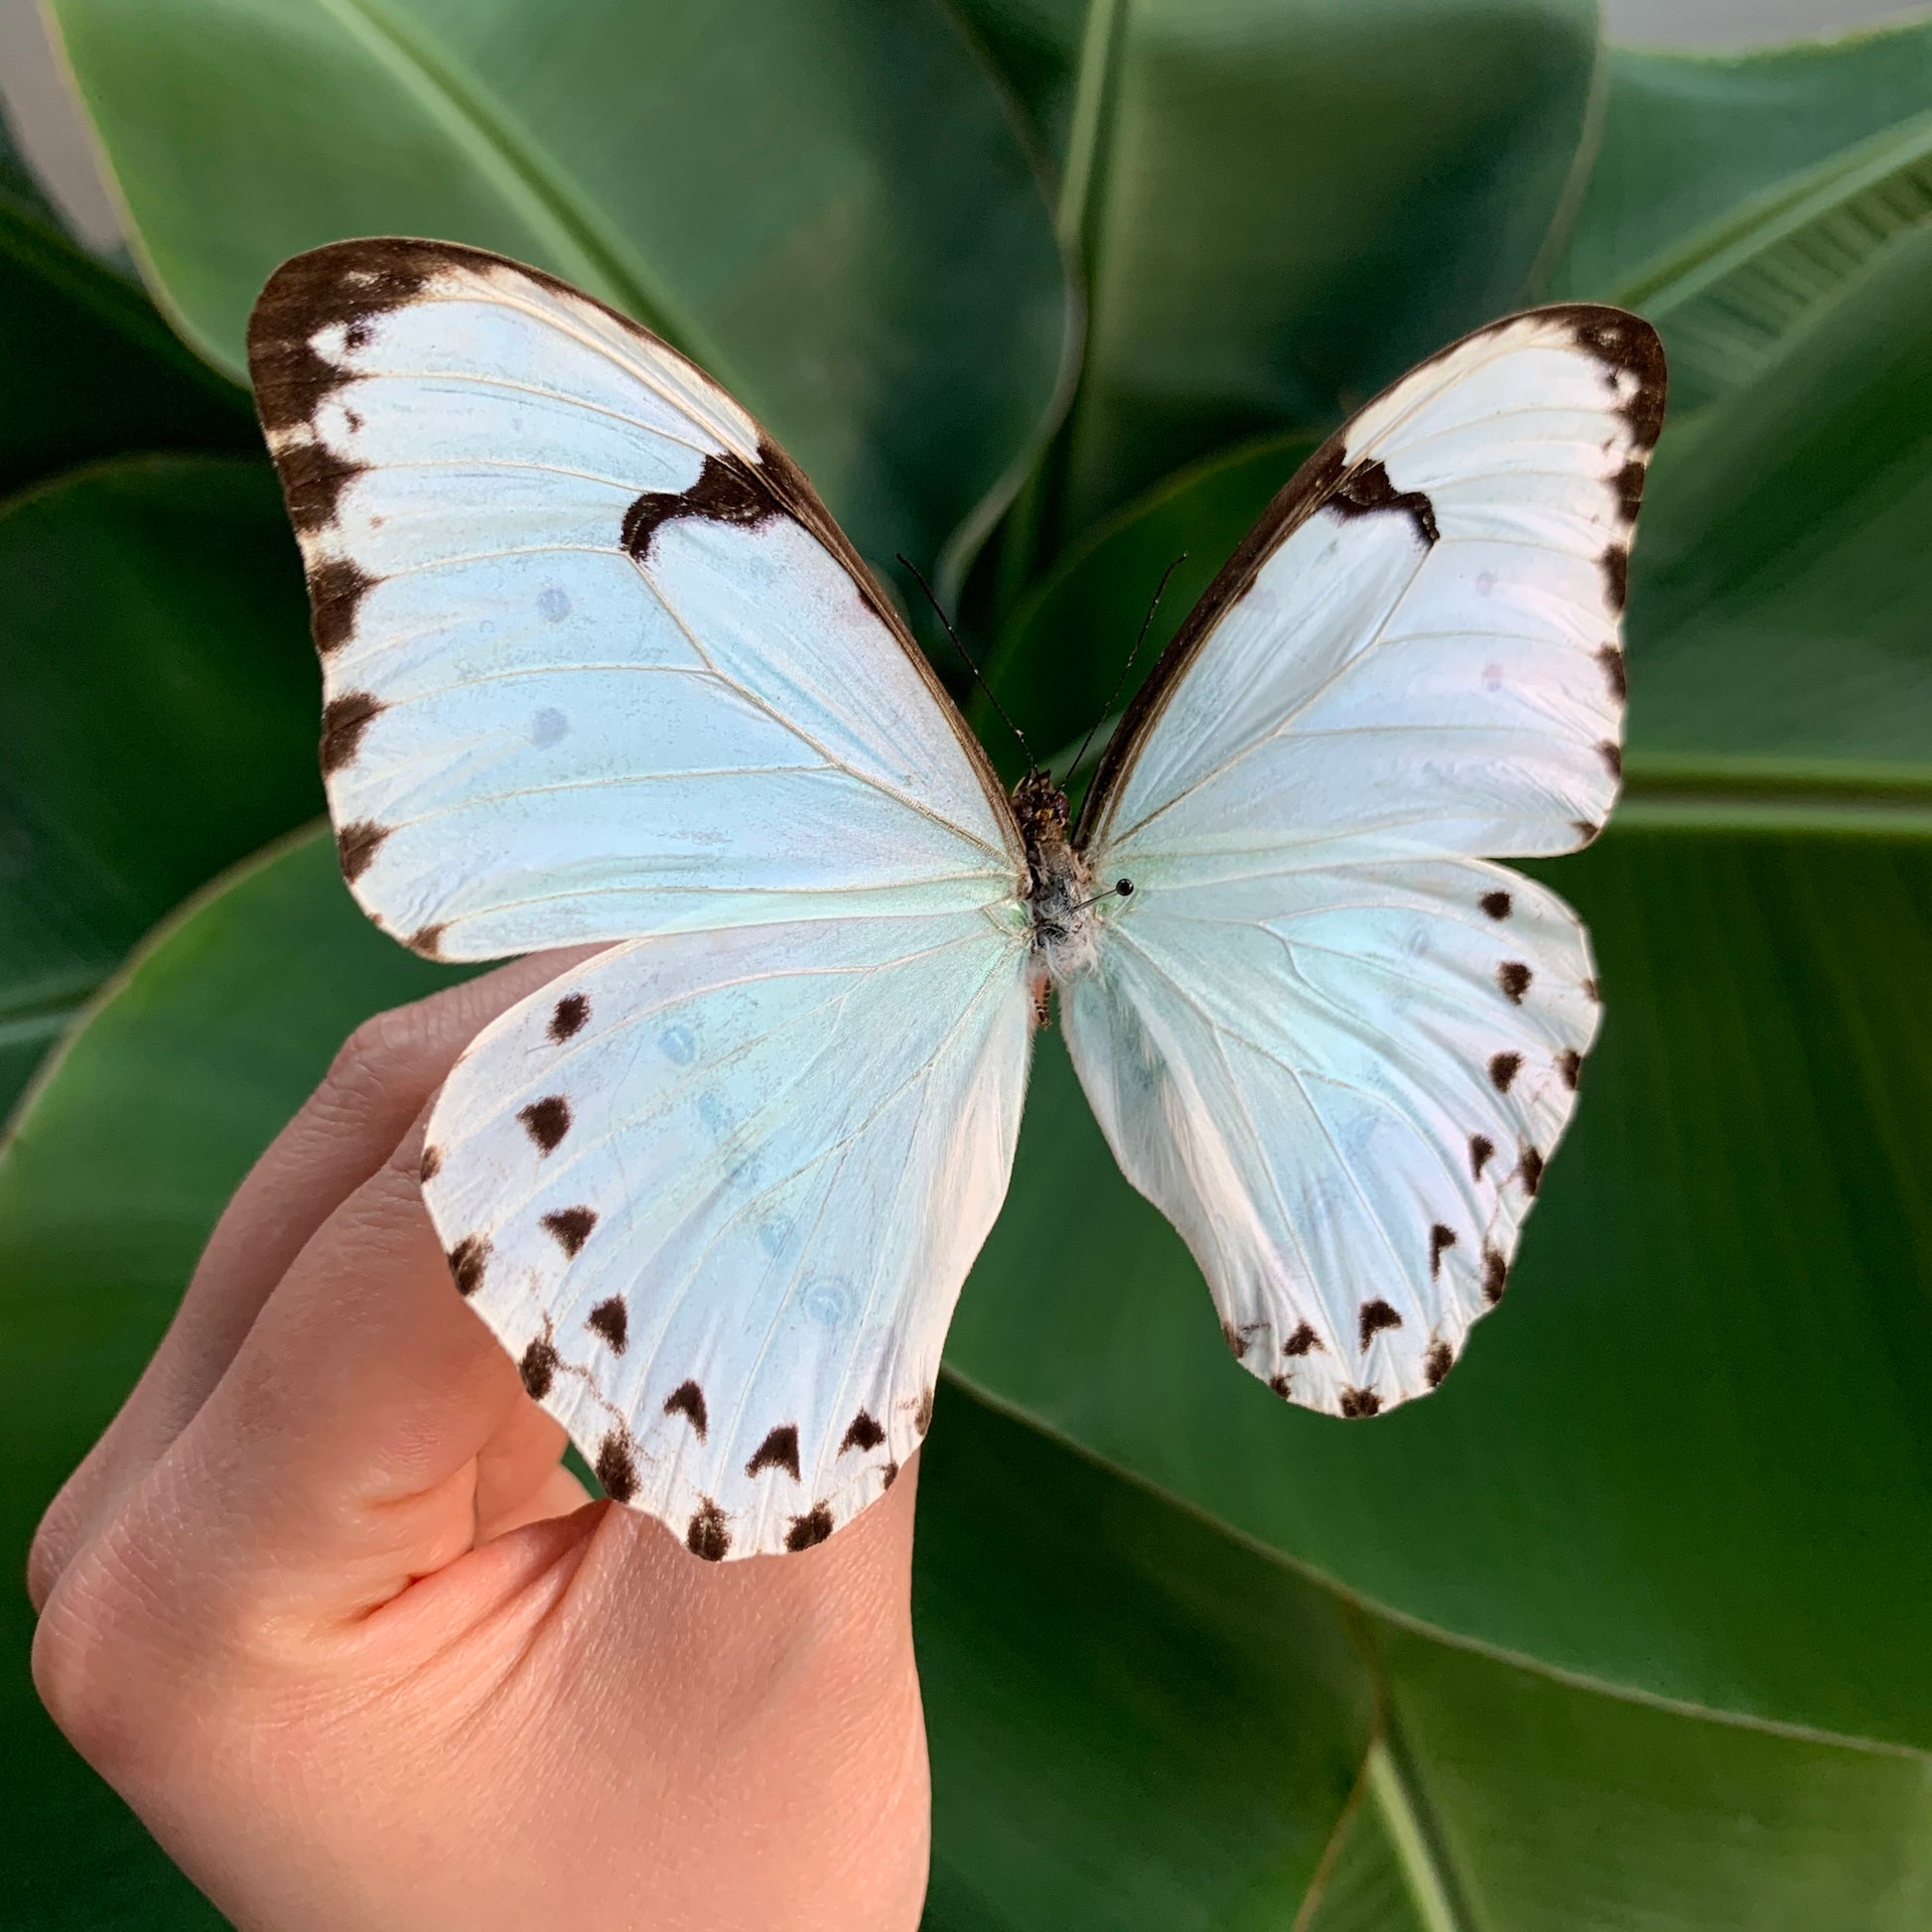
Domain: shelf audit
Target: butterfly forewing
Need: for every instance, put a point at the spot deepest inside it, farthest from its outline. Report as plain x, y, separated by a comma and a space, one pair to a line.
599, 665
1328, 1041
597, 661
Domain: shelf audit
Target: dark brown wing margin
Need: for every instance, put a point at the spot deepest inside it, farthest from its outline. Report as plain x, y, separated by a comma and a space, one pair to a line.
1618, 340
355, 281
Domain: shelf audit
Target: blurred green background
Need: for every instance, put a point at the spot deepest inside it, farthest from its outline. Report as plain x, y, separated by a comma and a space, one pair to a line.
1625, 1628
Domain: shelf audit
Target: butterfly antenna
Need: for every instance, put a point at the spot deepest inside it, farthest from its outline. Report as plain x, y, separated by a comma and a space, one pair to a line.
979, 676
1119, 683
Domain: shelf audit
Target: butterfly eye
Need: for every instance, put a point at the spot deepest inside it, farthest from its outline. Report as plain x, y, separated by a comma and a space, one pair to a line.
1123, 886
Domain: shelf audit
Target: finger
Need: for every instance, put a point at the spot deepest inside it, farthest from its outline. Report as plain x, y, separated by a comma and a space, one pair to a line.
339, 1455
379, 1081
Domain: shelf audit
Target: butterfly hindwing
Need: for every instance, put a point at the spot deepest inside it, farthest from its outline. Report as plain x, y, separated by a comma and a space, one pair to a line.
597, 661
1328, 1038
716, 1192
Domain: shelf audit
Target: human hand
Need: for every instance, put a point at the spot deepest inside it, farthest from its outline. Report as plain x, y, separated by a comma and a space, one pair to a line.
327, 1610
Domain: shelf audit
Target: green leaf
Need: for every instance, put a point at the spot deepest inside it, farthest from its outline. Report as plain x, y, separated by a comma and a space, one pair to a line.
87, 369
158, 711
1135, 1721
1780, 590
1692, 142
1728, 299
1541, 1807
1688, 1456
1065, 646
823, 201
1282, 207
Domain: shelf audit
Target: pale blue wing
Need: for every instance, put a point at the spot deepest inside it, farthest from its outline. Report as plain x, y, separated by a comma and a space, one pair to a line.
1328, 1038
717, 1192
597, 663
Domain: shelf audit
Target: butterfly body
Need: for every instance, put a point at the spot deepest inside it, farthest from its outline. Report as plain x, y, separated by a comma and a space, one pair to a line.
1061, 914
601, 668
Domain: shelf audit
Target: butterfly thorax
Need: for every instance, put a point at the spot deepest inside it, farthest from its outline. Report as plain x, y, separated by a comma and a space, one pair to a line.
1060, 884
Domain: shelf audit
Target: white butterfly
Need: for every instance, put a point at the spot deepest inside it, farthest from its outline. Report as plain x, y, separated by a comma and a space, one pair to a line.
600, 666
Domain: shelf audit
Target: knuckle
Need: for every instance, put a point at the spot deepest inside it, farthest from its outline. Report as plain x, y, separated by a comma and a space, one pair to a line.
82, 1671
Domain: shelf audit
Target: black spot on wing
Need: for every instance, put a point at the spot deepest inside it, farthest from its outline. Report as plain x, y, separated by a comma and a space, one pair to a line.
357, 845
546, 1121
336, 589
1360, 1402
572, 1009
1438, 1364
779, 1451
1614, 673
1611, 754
1593, 992
687, 1399
1530, 1170
616, 1467
890, 1474
725, 492
1375, 1316
706, 1534
572, 1227
1633, 365
1440, 1238
1628, 485
1615, 565
811, 1528
1495, 1275
1587, 833
1283, 1386
1570, 1063
863, 1433
353, 283
1503, 1068
432, 1164
610, 1319
312, 481
538, 1369
1369, 489
1302, 1342
427, 941
1237, 1342
1481, 1150
1514, 979
468, 1259
923, 1416
1496, 904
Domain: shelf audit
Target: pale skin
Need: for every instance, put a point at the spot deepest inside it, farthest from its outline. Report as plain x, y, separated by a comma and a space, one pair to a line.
326, 1608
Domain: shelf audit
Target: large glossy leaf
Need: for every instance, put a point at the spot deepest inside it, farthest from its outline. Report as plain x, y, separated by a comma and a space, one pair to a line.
1282, 205
1534, 1806
1779, 598
1727, 302
1134, 1720
824, 200
1067, 644
1695, 144
88, 368
1690, 1454
158, 711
